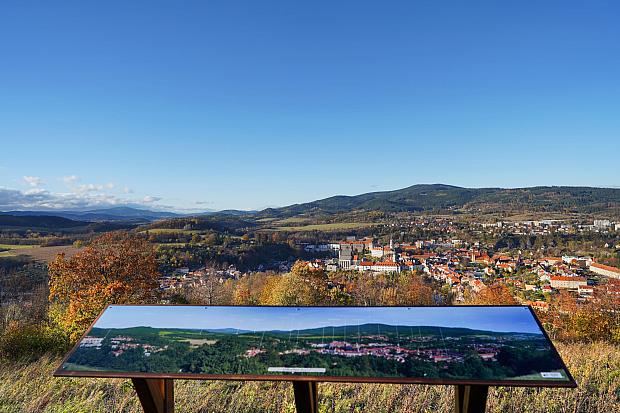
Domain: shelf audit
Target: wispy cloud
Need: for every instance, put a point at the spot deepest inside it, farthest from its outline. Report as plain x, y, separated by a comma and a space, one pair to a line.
33, 180
70, 180
150, 199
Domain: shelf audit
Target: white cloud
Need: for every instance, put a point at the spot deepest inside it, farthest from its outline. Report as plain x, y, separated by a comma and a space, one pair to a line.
41, 199
84, 188
76, 196
70, 179
35, 191
150, 199
33, 180
71, 182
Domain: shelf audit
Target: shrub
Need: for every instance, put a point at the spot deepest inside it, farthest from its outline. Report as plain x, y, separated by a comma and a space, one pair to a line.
29, 342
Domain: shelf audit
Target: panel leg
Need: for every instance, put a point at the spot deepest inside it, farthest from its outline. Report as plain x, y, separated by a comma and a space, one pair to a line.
306, 396
156, 395
470, 399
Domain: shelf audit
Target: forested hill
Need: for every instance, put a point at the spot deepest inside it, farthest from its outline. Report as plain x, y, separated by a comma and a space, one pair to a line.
41, 221
446, 198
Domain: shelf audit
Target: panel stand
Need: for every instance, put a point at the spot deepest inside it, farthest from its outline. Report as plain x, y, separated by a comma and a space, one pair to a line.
306, 396
470, 399
156, 395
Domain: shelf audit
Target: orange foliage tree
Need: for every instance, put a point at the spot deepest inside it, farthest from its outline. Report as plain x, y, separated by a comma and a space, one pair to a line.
592, 320
388, 289
494, 294
116, 268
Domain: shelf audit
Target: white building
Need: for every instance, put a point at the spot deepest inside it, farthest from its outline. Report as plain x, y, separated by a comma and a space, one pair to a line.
605, 270
602, 223
387, 266
377, 252
91, 342
570, 283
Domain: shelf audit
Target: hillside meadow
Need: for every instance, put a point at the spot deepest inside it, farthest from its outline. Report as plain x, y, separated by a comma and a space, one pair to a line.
30, 387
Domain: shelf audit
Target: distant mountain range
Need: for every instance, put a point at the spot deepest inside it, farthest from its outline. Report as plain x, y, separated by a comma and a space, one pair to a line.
436, 198
340, 331
97, 215
449, 199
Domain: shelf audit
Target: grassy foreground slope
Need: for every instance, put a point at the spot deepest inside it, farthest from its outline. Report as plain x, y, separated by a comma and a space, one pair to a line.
31, 388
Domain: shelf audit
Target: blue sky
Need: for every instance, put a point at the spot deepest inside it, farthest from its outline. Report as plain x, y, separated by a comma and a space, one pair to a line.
246, 104
506, 319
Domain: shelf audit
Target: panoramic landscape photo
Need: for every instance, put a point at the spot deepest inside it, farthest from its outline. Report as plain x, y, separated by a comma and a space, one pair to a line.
415, 343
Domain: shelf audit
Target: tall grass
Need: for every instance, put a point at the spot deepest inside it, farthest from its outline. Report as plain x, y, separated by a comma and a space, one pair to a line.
30, 387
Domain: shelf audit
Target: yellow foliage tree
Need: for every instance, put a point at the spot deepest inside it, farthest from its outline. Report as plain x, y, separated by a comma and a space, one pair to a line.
116, 268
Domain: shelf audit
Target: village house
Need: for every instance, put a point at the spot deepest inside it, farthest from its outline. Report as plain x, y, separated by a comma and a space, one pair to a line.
570, 283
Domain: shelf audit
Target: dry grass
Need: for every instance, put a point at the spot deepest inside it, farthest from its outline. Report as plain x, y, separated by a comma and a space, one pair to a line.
171, 231
47, 254
30, 388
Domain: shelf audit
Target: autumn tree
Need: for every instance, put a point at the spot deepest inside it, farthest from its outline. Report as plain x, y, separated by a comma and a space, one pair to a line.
494, 294
412, 290
366, 290
213, 292
248, 289
591, 320
116, 268
302, 286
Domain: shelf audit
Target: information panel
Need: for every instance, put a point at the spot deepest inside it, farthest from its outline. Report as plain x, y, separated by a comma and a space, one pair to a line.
452, 345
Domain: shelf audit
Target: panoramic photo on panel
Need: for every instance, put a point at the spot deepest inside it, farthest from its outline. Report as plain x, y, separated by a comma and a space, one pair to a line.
472, 343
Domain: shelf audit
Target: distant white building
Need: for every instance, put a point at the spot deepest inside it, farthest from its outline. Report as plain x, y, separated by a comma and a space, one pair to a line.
387, 266
334, 246
605, 270
570, 283
602, 223
377, 252
91, 342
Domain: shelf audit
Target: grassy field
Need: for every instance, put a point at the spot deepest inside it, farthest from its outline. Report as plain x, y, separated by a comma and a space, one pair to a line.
17, 247
172, 231
14, 249
30, 388
41, 253
337, 226
293, 220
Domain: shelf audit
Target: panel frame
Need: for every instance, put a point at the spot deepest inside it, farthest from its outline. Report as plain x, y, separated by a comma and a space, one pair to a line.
570, 383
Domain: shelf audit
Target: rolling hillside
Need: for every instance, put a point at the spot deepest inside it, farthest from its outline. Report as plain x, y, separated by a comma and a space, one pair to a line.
450, 199
40, 221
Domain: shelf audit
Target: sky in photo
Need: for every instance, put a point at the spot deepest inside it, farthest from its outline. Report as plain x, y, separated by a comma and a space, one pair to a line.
218, 104
501, 319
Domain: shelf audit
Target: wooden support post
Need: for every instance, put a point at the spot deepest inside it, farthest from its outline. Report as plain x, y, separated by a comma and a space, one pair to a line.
470, 399
156, 395
306, 396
